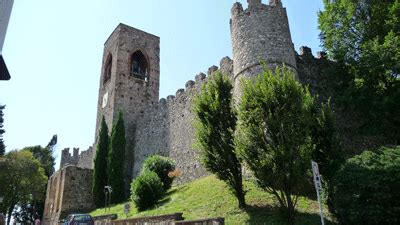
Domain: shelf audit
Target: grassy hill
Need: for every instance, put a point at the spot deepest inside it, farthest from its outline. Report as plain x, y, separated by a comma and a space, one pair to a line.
209, 197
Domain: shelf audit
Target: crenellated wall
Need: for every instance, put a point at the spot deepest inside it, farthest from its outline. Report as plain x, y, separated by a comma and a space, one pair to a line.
166, 128
259, 33
83, 159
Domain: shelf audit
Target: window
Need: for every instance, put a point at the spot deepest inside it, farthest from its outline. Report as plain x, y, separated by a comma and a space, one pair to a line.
107, 70
139, 66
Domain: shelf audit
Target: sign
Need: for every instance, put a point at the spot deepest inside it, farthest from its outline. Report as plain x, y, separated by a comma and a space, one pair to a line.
317, 177
318, 187
127, 208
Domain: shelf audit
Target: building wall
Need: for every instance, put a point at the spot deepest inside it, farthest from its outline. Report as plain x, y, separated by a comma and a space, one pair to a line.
165, 126
260, 35
83, 159
68, 191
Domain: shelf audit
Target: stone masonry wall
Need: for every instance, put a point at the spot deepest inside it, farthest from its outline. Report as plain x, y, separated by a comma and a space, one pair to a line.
68, 191
260, 34
167, 128
83, 159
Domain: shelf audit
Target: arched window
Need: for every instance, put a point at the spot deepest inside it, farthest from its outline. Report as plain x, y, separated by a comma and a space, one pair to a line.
107, 69
139, 66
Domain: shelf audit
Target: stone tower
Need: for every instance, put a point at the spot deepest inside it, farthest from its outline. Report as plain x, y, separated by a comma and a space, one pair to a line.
260, 34
129, 82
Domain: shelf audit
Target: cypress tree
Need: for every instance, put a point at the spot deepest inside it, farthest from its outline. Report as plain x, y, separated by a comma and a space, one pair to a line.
100, 165
116, 153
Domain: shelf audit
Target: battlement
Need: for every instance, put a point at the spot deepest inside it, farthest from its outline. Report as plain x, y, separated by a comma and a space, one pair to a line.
83, 159
306, 52
254, 6
260, 35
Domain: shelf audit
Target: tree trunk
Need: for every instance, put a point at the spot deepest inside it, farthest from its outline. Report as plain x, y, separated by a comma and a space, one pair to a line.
239, 191
10, 210
290, 209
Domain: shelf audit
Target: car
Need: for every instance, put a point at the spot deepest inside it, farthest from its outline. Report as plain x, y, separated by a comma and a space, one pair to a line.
78, 219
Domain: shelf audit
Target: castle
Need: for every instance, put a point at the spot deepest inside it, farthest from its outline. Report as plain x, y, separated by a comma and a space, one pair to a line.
129, 82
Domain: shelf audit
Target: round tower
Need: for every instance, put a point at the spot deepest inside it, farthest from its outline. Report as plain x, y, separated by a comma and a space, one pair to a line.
260, 34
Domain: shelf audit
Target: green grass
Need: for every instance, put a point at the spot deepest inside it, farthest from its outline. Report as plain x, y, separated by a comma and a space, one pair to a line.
209, 197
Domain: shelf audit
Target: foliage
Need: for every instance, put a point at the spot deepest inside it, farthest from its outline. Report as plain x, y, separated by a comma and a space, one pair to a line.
327, 153
22, 180
2, 146
363, 37
31, 210
279, 127
44, 156
100, 165
215, 127
146, 189
367, 188
116, 154
52, 143
209, 197
162, 166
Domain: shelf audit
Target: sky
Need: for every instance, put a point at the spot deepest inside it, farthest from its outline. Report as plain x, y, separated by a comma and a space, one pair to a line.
53, 50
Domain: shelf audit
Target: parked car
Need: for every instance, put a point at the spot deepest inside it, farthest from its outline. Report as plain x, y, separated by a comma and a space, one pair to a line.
78, 219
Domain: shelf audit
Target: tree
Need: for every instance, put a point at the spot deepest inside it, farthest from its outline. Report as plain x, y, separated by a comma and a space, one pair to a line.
116, 154
363, 37
275, 134
162, 166
30, 210
366, 189
100, 165
328, 154
147, 189
22, 180
215, 126
44, 156
2, 146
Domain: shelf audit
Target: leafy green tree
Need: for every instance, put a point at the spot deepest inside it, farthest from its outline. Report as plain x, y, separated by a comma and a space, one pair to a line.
2, 146
328, 153
366, 189
162, 166
363, 37
116, 154
22, 179
146, 189
44, 156
215, 126
100, 165
30, 210
277, 134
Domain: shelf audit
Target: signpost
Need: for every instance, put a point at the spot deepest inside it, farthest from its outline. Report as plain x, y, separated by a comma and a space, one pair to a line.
318, 187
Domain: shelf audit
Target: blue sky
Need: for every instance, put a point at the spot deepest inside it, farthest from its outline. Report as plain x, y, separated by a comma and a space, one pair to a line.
53, 50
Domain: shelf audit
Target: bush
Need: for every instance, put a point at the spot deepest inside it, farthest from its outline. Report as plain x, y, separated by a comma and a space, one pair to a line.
366, 189
146, 190
162, 166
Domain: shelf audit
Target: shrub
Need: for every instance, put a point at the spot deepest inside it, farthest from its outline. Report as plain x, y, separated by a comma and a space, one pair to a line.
366, 189
162, 166
146, 190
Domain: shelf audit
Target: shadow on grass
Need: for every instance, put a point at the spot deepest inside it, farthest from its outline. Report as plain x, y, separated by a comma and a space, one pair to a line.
167, 197
267, 215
